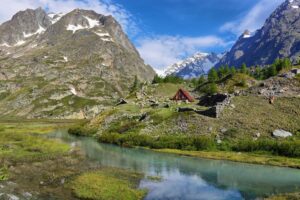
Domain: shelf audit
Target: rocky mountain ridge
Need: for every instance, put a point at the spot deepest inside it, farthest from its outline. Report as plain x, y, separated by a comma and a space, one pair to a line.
278, 38
65, 65
195, 66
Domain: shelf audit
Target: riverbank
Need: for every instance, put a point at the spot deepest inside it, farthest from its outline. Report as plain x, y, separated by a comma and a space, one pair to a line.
237, 135
250, 158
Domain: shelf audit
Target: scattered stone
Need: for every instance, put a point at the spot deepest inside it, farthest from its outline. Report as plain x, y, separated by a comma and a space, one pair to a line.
210, 129
143, 117
185, 109
139, 96
271, 100
295, 71
154, 105
223, 130
219, 141
166, 105
122, 102
232, 106
257, 135
281, 133
12, 197
27, 195
237, 93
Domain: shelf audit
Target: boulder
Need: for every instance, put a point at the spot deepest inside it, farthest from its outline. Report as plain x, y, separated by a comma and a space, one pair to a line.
143, 117
223, 130
185, 109
281, 133
122, 102
257, 135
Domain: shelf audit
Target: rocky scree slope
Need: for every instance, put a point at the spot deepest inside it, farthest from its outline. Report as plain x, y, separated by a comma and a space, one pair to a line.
65, 65
278, 38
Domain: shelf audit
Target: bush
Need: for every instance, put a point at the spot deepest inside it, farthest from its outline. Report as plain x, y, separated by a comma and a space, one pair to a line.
82, 131
211, 89
212, 75
281, 148
3, 174
167, 79
162, 142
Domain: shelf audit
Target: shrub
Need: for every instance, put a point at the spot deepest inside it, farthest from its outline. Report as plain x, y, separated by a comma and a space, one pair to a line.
3, 174
166, 141
212, 75
211, 89
203, 143
167, 79
282, 148
82, 131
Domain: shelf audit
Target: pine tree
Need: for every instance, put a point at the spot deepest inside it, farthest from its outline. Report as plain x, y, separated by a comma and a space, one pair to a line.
135, 84
227, 70
244, 69
221, 72
201, 80
232, 70
213, 75
212, 88
286, 63
272, 71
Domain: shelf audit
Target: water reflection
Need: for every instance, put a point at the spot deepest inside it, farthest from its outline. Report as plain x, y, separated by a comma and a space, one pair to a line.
191, 178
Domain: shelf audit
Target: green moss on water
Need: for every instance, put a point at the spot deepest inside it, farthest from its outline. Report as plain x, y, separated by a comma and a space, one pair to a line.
22, 141
108, 184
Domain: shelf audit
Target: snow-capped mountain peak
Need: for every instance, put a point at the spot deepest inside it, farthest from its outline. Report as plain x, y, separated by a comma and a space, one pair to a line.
195, 66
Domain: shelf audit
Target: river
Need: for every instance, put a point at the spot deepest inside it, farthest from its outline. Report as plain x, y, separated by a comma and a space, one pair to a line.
187, 178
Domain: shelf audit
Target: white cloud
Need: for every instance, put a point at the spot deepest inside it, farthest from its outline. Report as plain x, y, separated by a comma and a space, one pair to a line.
9, 7
162, 51
254, 19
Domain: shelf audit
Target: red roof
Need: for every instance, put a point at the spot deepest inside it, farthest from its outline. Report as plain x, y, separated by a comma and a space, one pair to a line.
182, 95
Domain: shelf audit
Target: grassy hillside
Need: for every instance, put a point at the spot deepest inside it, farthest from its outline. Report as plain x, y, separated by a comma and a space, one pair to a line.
244, 126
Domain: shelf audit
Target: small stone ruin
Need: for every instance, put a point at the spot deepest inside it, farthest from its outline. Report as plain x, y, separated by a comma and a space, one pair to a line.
217, 104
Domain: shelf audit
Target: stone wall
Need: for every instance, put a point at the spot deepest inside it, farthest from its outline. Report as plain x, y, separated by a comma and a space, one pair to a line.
218, 102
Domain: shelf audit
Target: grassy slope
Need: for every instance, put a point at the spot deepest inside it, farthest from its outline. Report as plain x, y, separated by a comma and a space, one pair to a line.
250, 116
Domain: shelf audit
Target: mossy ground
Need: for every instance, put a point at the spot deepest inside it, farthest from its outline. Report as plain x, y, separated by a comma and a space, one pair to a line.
49, 169
293, 196
19, 141
108, 184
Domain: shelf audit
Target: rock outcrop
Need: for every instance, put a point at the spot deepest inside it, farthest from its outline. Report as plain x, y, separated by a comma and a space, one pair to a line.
278, 38
195, 66
281, 134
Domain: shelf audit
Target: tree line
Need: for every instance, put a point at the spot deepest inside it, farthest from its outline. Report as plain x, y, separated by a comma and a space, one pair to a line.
217, 74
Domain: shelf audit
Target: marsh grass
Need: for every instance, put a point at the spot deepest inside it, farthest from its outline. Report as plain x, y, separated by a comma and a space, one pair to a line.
108, 184
23, 141
262, 158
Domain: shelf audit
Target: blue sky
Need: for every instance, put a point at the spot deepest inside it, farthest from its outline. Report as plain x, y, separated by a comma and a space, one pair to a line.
166, 31
169, 30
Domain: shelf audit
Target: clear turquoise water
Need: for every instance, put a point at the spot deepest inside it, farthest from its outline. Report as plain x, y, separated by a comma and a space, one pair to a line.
186, 178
